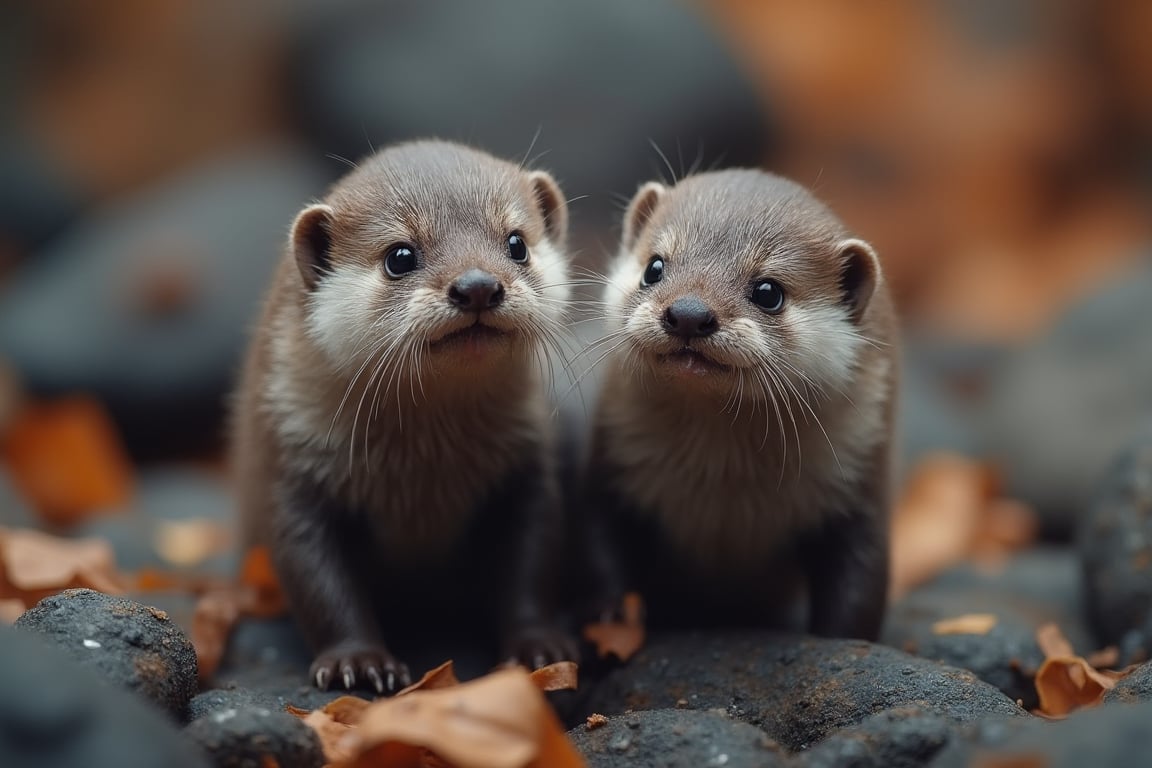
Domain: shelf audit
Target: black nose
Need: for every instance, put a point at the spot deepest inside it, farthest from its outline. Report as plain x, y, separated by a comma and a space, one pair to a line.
690, 318
475, 290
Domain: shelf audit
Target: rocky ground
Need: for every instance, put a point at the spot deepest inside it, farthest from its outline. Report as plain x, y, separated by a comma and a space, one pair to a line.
90, 680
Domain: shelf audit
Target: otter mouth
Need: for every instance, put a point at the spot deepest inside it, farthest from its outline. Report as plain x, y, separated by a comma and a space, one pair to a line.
693, 361
476, 333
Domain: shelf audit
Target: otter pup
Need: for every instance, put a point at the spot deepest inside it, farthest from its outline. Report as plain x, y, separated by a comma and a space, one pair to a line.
740, 451
392, 441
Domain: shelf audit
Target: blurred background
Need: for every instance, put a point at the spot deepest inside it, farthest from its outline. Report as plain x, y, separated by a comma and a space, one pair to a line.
153, 152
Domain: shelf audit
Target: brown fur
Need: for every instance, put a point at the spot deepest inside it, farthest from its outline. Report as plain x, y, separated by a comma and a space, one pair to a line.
735, 472
362, 423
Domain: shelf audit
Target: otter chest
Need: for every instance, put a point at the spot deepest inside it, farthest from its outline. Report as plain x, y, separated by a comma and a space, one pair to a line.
721, 501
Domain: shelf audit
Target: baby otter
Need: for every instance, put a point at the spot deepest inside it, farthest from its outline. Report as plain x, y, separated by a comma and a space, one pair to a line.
740, 451
392, 441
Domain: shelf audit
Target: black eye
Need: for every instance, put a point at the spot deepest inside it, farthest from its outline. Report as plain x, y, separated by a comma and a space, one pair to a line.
655, 271
517, 248
400, 260
769, 296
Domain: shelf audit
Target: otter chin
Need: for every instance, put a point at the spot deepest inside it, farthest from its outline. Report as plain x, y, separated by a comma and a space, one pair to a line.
739, 457
392, 444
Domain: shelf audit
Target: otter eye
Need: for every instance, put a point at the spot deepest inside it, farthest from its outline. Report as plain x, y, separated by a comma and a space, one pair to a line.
769, 296
399, 260
517, 248
654, 272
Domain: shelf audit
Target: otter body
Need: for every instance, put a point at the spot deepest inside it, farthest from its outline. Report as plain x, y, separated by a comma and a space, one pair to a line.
741, 443
392, 444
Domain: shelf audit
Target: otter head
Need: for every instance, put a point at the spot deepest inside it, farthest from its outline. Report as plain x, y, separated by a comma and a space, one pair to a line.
740, 283
432, 258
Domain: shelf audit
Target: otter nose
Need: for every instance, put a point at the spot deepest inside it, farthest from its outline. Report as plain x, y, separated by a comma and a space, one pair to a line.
690, 318
476, 290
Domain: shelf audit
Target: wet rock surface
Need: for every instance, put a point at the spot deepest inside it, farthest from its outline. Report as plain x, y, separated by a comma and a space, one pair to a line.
1116, 546
677, 738
251, 736
797, 689
896, 738
56, 713
128, 644
1106, 737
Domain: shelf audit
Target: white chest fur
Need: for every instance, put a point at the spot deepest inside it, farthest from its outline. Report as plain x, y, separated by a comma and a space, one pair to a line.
729, 490
416, 466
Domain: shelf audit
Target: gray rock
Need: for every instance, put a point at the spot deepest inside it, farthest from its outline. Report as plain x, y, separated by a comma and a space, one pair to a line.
246, 737
129, 644
676, 738
1134, 688
55, 713
1104, 737
1007, 656
1116, 547
904, 737
221, 699
798, 689
1049, 577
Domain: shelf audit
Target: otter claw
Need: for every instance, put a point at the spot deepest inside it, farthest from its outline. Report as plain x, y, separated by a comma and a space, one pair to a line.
377, 681
322, 679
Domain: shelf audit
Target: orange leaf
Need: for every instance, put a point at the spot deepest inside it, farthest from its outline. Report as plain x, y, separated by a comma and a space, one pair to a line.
1068, 683
257, 573
950, 510
215, 614
1065, 681
34, 565
190, 542
332, 734
1105, 657
498, 721
968, 624
1052, 642
66, 459
561, 676
620, 639
443, 676
10, 610
595, 721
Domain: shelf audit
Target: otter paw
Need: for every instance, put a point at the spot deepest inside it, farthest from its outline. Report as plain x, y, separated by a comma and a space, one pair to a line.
536, 647
356, 664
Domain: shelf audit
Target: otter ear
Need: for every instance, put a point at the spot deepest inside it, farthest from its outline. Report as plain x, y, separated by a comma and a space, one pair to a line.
640, 211
550, 202
859, 274
312, 243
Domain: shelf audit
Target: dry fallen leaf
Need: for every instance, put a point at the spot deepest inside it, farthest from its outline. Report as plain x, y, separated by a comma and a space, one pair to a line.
10, 610
66, 459
950, 510
968, 624
215, 614
621, 639
257, 573
34, 565
443, 676
1105, 657
190, 542
1052, 641
1065, 681
594, 721
498, 721
331, 733
561, 676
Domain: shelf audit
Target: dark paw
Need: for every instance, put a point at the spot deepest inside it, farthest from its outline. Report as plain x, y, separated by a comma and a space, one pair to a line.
536, 647
354, 664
